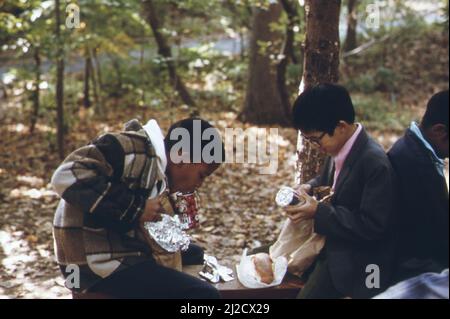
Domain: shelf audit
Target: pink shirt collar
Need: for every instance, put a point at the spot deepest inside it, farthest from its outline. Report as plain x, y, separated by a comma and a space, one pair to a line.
340, 158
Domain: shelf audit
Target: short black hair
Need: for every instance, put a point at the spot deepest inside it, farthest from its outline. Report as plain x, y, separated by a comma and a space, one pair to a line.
321, 107
191, 125
437, 110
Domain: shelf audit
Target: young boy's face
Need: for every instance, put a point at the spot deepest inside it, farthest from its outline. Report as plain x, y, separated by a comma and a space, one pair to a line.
187, 178
330, 144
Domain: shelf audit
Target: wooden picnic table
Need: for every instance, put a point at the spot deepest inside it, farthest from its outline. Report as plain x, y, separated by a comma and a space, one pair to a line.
288, 289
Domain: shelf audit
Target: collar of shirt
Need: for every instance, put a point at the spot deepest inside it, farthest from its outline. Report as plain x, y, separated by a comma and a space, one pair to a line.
438, 162
340, 158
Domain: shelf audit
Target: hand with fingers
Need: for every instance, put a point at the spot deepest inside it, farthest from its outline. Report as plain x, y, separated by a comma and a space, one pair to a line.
304, 188
152, 211
307, 207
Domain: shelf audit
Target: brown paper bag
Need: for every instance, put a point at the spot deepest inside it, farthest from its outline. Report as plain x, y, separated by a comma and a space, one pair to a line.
297, 242
299, 245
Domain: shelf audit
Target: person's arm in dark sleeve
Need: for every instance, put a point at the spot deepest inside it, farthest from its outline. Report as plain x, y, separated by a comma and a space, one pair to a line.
371, 220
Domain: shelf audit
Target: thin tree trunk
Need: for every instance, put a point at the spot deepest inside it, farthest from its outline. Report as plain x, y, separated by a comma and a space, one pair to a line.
59, 81
321, 65
5, 92
36, 92
98, 69
141, 63
263, 103
95, 85
287, 53
87, 78
116, 67
241, 45
352, 23
165, 51
293, 20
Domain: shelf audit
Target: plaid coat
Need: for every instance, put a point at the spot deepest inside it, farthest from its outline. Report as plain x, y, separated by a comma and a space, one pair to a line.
103, 188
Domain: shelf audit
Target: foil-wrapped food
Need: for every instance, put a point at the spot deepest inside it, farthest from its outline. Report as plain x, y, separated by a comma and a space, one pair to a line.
169, 233
287, 196
214, 272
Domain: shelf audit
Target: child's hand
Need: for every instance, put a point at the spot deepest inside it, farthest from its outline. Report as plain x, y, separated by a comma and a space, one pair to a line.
152, 211
303, 211
304, 188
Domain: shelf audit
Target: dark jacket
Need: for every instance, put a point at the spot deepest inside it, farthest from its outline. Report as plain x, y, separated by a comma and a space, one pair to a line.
358, 224
423, 197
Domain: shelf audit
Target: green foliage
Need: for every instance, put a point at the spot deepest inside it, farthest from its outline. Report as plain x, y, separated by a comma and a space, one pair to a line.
380, 112
385, 79
382, 80
293, 74
116, 31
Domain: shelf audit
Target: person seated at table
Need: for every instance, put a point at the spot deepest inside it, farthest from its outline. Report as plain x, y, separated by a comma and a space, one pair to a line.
418, 160
358, 222
111, 187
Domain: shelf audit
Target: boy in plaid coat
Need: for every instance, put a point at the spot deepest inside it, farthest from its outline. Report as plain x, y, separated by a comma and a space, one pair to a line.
109, 189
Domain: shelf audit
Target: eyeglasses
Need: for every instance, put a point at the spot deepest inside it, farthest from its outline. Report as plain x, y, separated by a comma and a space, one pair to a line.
315, 140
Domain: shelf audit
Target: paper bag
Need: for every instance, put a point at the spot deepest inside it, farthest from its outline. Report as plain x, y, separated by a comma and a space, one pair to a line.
299, 245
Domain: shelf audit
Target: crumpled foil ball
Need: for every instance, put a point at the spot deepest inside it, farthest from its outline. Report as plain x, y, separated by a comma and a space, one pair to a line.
214, 272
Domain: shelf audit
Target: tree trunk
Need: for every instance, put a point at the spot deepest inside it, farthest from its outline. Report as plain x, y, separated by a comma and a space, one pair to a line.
263, 102
36, 92
241, 45
98, 69
293, 20
321, 65
287, 53
166, 52
87, 78
141, 65
119, 83
5, 92
59, 81
95, 85
352, 23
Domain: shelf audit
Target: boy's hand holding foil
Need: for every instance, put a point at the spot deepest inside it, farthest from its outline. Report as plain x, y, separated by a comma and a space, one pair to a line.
306, 209
152, 211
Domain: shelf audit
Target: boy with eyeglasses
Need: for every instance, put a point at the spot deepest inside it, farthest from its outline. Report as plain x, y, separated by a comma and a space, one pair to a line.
357, 258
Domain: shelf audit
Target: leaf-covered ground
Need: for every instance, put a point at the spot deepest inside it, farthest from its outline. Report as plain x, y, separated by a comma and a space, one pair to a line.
238, 208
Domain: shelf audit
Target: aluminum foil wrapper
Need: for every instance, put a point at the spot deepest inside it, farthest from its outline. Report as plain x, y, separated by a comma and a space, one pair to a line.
214, 272
169, 233
287, 196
